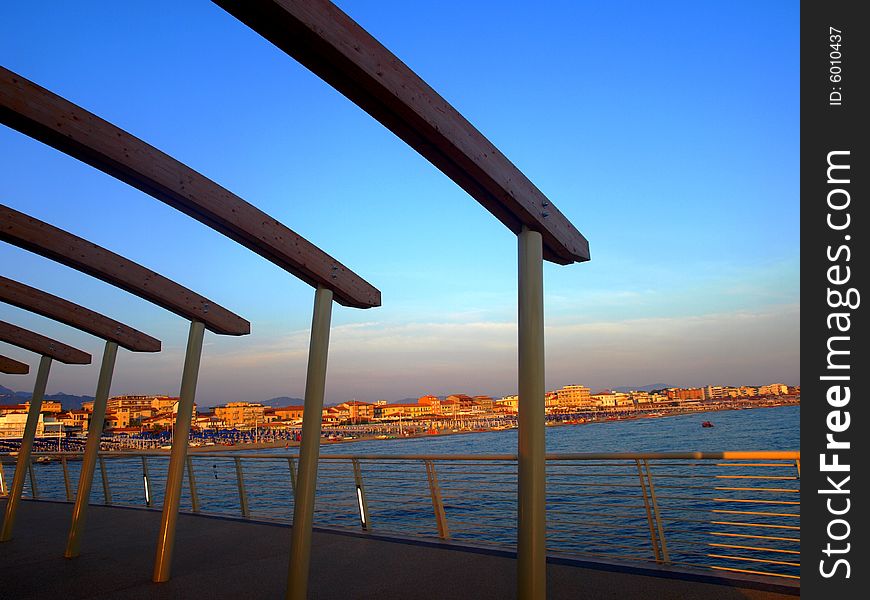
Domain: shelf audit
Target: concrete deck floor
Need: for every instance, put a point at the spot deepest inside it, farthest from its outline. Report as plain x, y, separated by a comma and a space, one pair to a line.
219, 558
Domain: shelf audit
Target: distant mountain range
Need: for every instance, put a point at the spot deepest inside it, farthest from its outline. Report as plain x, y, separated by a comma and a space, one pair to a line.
67, 401
283, 401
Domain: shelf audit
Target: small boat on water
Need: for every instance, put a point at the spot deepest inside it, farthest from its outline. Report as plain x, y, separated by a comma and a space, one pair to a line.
707, 424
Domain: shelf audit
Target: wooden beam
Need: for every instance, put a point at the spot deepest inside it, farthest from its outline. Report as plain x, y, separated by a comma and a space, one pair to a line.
11, 366
335, 48
48, 305
52, 120
24, 338
58, 245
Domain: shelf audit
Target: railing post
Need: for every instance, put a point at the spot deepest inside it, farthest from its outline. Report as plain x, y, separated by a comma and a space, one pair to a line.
92, 448
240, 482
309, 449
147, 481
66, 484
2, 480
107, 493
661, 531
292, 464
34, 488
191, 483
797, 464
437, 501
649, 519
172, 496
361, 494
532, 495
25, 449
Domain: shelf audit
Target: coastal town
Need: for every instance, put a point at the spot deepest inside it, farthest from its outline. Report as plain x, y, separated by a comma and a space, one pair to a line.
138, 417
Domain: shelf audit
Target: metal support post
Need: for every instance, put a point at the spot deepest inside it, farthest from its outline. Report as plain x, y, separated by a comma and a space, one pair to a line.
532, 496
360, 494
652, 494
146, 481
2, 480
652, 532
66, 484
34, 488
243, 495
172, 496
291, 462
191, 483
23, 460
104, 475
92, 448
437, 501
309, 450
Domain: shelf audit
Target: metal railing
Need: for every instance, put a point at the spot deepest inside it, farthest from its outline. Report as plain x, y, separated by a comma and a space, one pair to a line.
731, 511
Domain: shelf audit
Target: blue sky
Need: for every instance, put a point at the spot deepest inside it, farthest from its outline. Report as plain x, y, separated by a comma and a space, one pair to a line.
667, 132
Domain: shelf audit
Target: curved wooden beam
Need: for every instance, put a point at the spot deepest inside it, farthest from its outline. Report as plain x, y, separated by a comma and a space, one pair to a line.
49, 241
44, 116
24, 338
53, 307
10, 366
335, 48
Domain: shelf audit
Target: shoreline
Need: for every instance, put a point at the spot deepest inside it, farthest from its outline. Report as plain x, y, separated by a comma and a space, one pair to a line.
603, 418
442, 433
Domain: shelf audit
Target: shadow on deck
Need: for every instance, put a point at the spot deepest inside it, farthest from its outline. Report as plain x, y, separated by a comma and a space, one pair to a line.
223, 558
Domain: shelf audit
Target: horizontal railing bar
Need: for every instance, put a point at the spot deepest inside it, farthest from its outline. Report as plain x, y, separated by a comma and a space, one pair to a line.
477, 489
711, 489
754, 537
644, 539
728, 455
453, 511
374, 492
751, 572
755, 512
752, 501
710, 499
758, 560
739, 524
758, 489
383, 474
777, 464
756, 548
770, 477
609, 515
592, 484
586, 524
467, 525
615, 546
581, 554
642, 557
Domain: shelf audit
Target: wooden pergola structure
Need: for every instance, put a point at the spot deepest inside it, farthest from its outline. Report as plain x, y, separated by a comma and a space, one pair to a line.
329, 43
10, 366
49, 350
114, 334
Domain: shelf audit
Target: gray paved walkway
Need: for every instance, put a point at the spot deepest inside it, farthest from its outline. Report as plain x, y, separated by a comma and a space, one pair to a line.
216, 558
